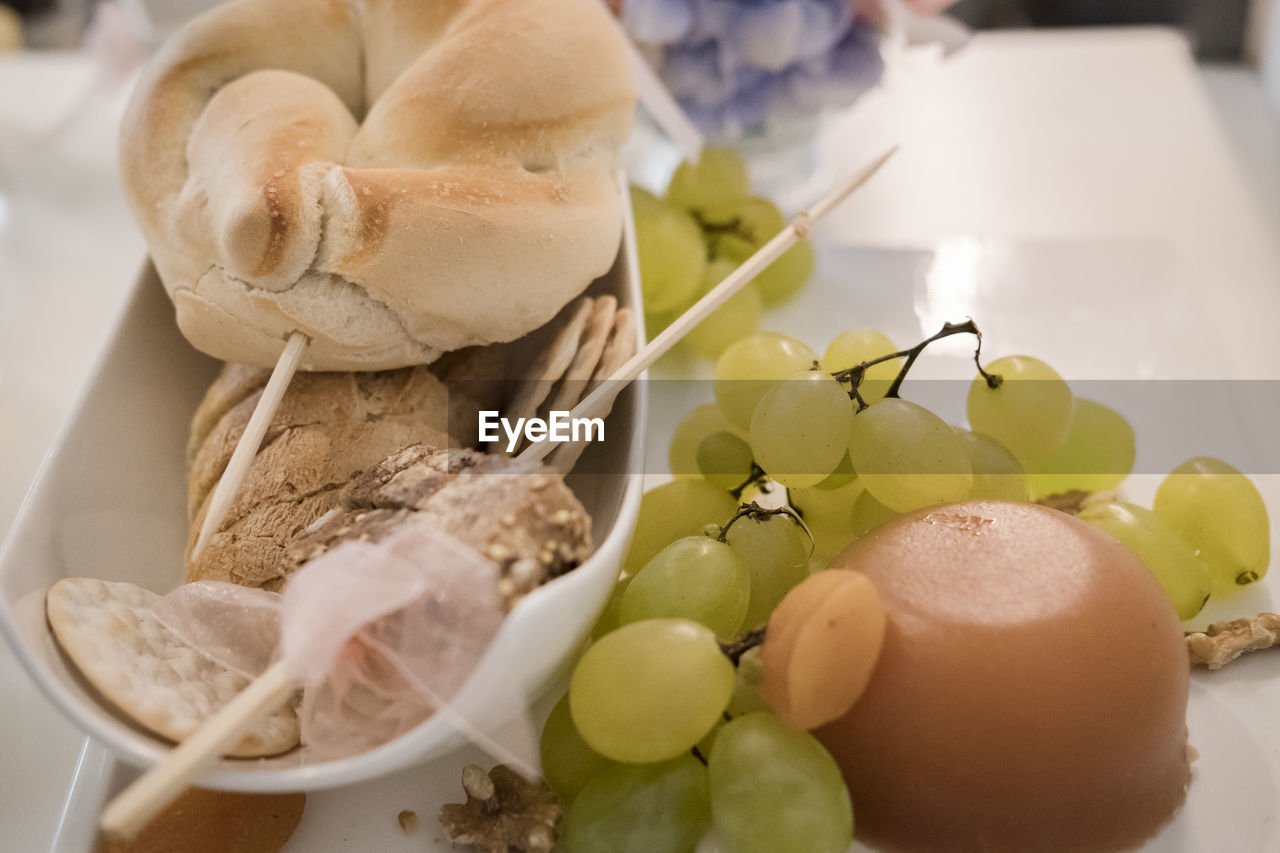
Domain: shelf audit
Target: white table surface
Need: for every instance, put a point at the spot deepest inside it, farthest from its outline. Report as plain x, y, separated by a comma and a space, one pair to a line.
1042, 140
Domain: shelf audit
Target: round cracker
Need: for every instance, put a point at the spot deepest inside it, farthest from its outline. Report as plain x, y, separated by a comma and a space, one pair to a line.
146, 671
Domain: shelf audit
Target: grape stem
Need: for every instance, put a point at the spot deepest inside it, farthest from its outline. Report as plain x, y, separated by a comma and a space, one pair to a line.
758, 476
854, 375
756, 512
730, 227
743, 643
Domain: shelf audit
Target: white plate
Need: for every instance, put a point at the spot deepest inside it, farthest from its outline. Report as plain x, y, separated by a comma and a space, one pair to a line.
1096, 310
1233, 804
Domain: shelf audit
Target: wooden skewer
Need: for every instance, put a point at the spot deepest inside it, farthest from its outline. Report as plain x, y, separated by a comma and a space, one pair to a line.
602, 397
151, 792
250, 440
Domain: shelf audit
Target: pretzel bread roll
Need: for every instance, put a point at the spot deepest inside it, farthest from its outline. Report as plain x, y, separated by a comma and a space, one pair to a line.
394, 178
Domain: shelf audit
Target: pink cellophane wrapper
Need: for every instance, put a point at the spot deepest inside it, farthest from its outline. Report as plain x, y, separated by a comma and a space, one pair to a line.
237, 626
379, 635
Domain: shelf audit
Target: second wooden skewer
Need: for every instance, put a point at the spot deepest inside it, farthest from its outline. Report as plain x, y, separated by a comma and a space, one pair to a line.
250, 440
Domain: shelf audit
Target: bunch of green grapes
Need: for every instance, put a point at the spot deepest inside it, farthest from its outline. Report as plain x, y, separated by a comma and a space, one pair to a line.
662, 734
708, 224
851, 458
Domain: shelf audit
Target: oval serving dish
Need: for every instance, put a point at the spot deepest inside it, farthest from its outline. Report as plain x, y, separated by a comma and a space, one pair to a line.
110, 503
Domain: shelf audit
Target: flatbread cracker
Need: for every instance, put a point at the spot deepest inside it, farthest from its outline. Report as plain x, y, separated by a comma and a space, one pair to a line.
568, 393
552, 362
617, 352
146, 671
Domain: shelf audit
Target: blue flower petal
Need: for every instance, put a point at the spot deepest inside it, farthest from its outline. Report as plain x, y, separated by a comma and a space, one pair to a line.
767, 35
658, 21
695, 76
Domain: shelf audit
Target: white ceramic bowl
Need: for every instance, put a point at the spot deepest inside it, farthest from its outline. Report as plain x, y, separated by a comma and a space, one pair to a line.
110, 503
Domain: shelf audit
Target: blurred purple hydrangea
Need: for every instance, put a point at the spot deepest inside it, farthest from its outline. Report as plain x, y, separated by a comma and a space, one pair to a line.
739, 66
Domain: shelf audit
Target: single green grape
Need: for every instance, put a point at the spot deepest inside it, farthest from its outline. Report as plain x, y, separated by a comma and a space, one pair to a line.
640, 808
746, 697
800, 429
776, 549
679, 508
672, 255
828, 513
1097, 455
907, 457
868, 514
1218, 511
609, 619
750, 367
650, 690
1030, 413
997, 474
682, 454
1169, 557
737, 318
775, 789
694, 578
719, 177
725, 460
855, 346
567, 762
